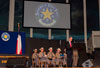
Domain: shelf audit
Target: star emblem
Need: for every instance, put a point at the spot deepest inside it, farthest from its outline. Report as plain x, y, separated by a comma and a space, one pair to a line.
47, 14
5, 36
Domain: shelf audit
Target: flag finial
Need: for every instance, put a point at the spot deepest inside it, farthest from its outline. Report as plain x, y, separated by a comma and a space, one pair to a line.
18, 27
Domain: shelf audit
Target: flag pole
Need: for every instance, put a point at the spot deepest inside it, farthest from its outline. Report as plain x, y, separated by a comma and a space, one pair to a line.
18, 27
19, 42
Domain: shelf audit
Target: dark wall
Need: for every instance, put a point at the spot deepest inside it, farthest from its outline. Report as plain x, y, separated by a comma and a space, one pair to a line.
38, 43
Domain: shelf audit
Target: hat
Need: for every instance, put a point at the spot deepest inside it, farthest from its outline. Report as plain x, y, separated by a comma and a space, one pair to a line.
59, 49
50, 48
41, 48
34, 49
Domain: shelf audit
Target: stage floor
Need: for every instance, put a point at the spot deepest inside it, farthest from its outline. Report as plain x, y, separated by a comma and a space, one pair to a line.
71, 67
58, 67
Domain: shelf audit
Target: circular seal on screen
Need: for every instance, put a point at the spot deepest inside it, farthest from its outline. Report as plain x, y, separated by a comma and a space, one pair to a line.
47, 14
5, 36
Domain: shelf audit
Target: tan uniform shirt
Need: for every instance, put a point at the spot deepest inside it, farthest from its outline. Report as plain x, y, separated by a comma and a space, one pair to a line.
42, 54
35, 55
57, 55
50, 55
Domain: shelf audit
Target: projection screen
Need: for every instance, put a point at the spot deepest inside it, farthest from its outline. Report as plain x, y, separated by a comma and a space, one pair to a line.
46, 15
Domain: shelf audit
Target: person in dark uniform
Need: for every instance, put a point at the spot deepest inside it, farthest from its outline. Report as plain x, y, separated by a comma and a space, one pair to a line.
69, 51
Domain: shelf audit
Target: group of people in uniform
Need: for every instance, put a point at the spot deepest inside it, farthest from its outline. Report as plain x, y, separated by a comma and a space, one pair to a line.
50, 58
68, 58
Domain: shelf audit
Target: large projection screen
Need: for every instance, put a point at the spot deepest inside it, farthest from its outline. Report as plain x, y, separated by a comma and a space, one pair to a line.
46, 15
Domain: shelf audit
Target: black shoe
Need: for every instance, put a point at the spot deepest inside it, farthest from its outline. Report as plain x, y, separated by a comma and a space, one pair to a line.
37, 66
56, 65
52, 66
64, 66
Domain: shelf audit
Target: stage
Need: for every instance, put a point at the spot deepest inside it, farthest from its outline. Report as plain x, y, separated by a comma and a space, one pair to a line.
61, 67
71, 67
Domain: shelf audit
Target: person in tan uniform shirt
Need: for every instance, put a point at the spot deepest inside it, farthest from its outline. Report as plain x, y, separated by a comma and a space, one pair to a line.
58, 57
43, 56
35, 57
51, 56
65, 58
